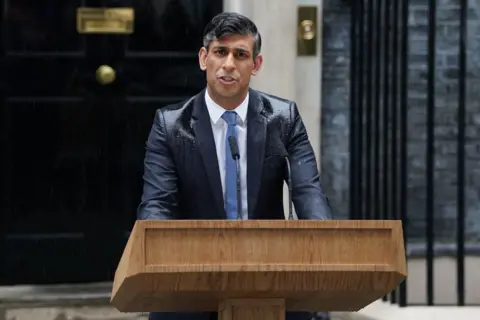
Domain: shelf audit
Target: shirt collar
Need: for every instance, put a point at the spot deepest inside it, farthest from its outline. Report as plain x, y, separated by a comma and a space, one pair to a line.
216, 111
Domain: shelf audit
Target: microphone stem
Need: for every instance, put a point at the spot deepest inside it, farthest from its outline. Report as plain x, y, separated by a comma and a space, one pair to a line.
289, 184
239, 191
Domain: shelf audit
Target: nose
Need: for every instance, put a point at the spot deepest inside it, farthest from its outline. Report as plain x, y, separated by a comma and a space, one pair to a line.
229, 63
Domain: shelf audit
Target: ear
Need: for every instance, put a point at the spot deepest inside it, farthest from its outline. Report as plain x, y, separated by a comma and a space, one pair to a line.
257, 64
202, 58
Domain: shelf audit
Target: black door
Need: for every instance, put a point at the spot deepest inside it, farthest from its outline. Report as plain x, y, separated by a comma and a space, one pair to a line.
71, 148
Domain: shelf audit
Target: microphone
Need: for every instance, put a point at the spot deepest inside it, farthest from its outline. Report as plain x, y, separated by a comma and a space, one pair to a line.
284, 154
232, 142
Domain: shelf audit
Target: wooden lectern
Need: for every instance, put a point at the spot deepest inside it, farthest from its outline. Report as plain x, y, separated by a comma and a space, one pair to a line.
258, 269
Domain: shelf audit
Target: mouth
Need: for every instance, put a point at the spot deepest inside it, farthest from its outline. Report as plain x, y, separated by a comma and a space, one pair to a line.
227, 80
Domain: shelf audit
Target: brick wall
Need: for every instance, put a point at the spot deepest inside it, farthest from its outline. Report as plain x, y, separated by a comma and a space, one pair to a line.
335, 115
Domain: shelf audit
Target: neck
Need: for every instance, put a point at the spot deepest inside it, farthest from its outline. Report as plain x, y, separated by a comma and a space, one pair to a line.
230, 103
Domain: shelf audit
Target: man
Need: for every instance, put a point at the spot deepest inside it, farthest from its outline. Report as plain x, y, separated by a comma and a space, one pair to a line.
189, 170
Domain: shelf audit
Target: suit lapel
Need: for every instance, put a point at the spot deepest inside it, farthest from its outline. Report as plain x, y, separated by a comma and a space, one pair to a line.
256, 135
206, 145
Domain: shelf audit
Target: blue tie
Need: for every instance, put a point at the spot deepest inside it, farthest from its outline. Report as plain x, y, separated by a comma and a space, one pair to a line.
230, 118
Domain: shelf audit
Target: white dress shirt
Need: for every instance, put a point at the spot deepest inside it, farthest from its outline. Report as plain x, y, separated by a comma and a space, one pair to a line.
219, 128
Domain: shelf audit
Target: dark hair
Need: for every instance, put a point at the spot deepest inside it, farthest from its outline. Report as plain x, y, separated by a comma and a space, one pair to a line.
230, 23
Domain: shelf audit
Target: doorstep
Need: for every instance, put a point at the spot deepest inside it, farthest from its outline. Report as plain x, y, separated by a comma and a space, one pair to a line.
76, 302
61, 302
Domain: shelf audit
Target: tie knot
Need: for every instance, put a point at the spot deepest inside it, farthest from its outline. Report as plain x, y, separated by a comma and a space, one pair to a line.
230, 117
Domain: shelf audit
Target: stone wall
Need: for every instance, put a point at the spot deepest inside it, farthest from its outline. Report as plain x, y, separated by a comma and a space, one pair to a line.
335, 105
335, 111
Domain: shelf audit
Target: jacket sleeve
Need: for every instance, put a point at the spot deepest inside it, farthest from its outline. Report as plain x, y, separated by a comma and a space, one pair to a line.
308, 197
160, 190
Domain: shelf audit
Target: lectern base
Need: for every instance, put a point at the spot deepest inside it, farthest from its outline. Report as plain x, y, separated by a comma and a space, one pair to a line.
252, 309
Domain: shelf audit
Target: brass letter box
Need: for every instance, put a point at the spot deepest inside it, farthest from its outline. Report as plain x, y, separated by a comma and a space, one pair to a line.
105, 20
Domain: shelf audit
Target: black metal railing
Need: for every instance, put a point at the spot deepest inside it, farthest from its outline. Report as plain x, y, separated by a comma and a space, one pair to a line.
379, 102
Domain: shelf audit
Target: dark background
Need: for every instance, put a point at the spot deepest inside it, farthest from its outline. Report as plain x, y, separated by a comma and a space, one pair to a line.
72, 149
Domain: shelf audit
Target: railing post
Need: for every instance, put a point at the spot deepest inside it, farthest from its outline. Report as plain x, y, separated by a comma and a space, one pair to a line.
461, 154
403, 133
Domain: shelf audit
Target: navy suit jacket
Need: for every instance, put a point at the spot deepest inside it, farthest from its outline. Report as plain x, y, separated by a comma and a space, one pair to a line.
182, 179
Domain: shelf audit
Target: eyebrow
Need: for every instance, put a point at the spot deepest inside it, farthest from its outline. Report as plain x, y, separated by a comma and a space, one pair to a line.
236, 49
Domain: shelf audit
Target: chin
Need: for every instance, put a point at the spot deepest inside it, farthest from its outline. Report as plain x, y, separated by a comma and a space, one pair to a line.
227, 93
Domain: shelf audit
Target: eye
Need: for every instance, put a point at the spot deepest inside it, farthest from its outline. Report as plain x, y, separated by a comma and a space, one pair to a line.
220, 52
241, 54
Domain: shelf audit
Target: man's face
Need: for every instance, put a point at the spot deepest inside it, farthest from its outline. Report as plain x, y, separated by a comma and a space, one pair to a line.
229, 63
